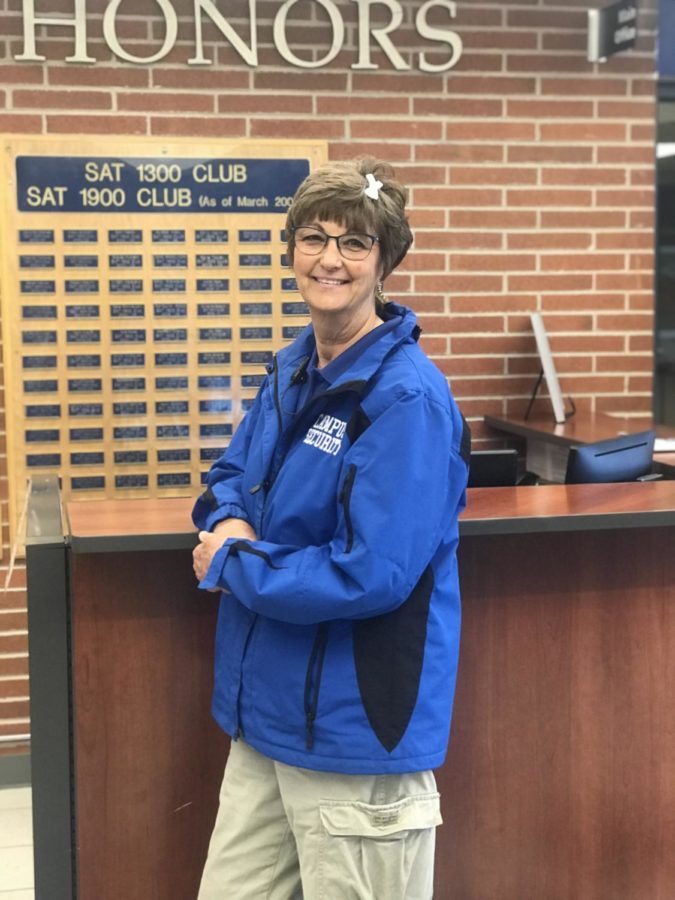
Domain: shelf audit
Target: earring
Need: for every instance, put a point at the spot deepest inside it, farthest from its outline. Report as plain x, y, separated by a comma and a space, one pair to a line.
379, 292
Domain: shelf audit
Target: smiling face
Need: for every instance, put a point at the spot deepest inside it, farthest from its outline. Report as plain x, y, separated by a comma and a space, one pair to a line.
334, 286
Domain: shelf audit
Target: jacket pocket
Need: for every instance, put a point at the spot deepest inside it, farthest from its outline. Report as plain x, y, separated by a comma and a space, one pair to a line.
345, 500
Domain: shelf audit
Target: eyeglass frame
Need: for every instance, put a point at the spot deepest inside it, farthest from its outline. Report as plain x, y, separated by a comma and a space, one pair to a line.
337, 238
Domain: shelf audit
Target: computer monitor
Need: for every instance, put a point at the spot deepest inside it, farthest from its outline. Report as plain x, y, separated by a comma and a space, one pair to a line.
493, 468
623, 458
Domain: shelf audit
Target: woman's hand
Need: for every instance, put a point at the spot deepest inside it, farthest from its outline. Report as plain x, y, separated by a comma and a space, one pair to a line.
211, 541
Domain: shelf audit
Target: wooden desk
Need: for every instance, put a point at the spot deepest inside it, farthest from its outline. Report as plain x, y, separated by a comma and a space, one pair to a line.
560, 778
548, 442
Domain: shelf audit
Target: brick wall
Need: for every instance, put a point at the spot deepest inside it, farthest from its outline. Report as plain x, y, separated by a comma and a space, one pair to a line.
531, 174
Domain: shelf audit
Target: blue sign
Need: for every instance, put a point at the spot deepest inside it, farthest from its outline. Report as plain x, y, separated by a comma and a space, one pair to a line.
151, 185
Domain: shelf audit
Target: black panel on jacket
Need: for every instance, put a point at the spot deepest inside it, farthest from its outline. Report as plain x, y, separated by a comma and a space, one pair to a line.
389, 652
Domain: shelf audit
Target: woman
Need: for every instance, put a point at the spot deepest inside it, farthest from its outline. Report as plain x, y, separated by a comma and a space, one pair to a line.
330, 525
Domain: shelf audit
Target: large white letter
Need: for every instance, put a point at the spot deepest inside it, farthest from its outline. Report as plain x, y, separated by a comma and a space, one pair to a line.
282, 44
79, 23
438, 34
380, 34
248, 54
110, 33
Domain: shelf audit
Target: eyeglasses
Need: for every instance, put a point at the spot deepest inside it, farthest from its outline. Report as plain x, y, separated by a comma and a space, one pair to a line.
354, 245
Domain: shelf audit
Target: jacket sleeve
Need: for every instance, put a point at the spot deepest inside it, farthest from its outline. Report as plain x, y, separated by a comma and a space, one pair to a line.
407, 488
223, 497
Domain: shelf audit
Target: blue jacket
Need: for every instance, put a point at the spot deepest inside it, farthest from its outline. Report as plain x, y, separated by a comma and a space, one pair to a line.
337, 647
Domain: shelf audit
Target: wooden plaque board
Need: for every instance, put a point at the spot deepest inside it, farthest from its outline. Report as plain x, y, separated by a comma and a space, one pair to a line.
144, 288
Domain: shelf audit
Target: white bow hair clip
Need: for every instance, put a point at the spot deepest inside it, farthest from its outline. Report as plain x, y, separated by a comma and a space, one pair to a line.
373, 189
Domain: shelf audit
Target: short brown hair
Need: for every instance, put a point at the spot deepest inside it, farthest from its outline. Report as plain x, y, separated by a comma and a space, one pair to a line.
336, 192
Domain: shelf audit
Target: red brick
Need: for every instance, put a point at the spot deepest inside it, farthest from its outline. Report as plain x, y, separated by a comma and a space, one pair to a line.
547, 19
432, 345
361, 106
16, 123
474, 365
410, 174
55, 99
504, 345
626, 109
104, 76
549, 109
484, 175
454, 197
21, 73
583, 176
155, 101
543, 241
417, 261
383, 82
501, 39
641, 302
200, 79
542, 63
426, 218
197, 126
544, 154
645, 133
408, 130
324, 129
467, 240
587, 262
632, 322
588, 343
462, 324
589, 132
350, 149
641, 343
100, 124
539, 282
587, 87
624, 363
626, 154
625, 240
264, 103
489, 131
549, 198
624, 281
502, 219
642, 177
594, 300
461, 284
490, 85
13, 666
479, 262
583, 219
453, 106
447, 152
626, 198
504, 303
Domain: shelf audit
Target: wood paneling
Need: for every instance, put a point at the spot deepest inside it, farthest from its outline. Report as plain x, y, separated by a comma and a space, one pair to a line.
149, 757
560, 778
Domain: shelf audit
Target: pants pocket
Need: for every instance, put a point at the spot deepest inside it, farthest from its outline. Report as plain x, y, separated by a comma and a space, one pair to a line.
378, 851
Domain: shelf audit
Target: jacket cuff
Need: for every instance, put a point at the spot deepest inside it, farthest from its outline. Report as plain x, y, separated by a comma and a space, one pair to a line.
228, 511
214, 575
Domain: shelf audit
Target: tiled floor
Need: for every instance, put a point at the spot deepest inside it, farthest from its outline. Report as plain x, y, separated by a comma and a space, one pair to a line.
16, 844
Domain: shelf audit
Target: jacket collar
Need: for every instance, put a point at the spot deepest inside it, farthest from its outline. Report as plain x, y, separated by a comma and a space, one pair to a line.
365, 366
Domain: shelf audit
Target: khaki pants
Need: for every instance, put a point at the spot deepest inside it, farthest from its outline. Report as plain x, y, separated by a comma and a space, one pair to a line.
285, 833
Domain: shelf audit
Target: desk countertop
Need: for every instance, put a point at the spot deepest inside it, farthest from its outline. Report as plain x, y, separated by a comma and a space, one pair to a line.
123, 525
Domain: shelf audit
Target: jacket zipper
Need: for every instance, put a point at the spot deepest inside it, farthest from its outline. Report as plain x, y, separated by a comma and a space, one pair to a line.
345, 500
313, 681
239, 731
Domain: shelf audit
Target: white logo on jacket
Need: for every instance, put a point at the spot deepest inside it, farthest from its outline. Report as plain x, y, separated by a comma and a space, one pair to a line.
326, 434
